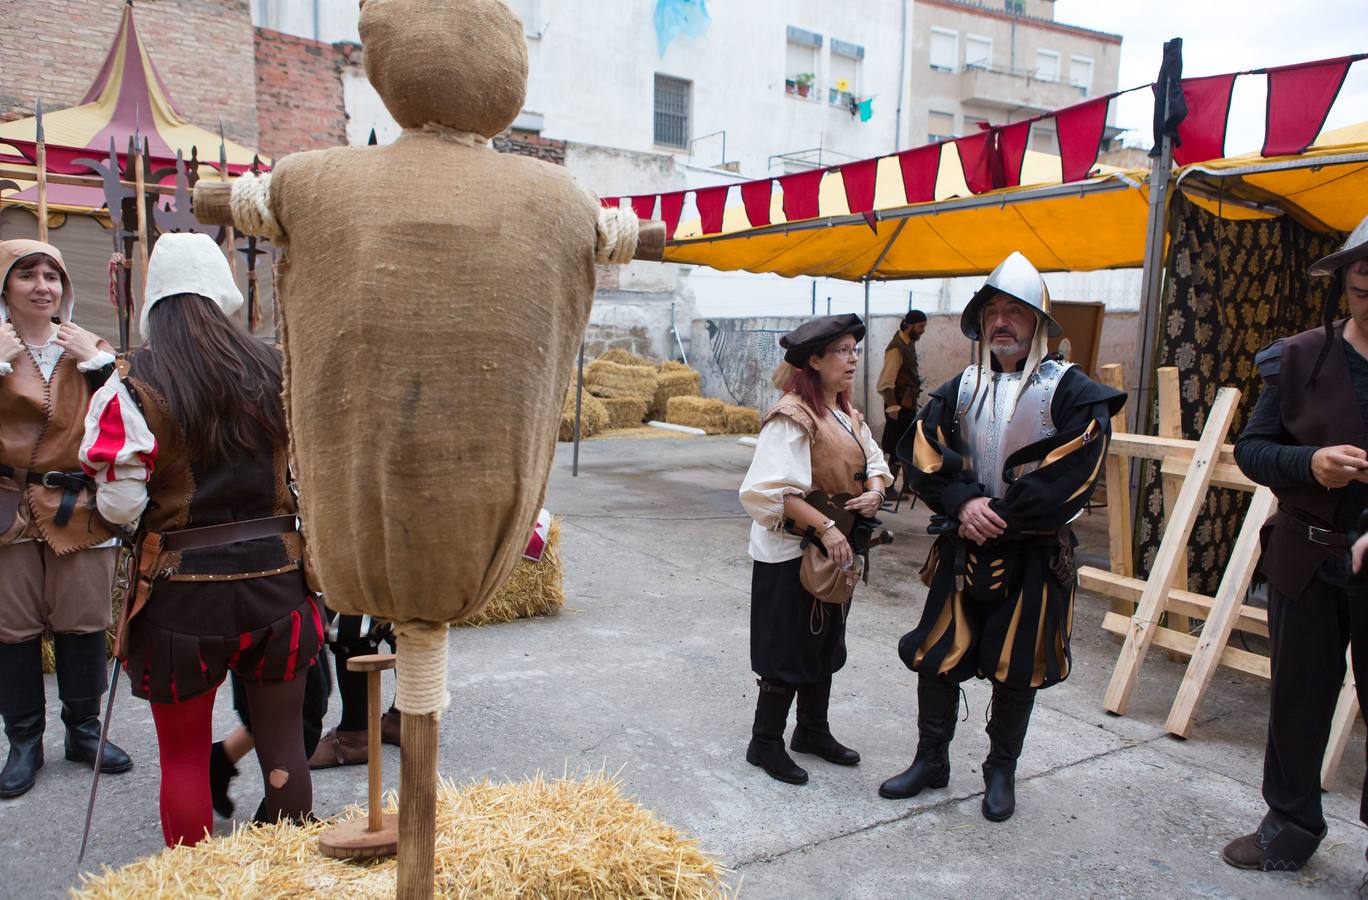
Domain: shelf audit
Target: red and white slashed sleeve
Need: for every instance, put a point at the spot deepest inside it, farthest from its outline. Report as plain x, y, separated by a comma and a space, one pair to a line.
119, 451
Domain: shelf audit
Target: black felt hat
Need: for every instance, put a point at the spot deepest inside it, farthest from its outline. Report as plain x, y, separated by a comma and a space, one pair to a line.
810, 337
913, 317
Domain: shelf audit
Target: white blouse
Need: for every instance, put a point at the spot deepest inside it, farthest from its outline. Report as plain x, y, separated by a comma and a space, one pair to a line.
782, 467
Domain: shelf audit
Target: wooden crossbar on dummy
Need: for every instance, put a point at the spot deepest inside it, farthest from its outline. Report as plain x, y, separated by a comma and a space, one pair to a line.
1189, 469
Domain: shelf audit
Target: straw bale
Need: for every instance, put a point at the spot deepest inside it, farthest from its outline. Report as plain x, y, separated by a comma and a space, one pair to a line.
625, 412
593, 416
625, 358
610, 379
698, 412
742, 419
674, 380
674, 365
536, 838
534, 588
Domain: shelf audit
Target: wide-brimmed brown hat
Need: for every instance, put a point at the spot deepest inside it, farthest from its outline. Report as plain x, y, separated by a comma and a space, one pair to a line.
810, 337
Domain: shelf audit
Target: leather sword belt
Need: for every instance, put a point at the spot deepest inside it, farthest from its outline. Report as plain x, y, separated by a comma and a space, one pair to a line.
230, 533
69, 483
1336, 540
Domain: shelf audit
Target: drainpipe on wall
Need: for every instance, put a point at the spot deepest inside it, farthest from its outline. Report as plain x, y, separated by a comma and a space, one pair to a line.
902, 78
317, 20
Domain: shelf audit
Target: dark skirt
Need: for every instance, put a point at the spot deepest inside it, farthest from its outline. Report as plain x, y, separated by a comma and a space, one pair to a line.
191, 633
1009, 620
794, 638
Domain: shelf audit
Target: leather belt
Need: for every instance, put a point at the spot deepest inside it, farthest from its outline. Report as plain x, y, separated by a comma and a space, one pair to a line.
1325, 537
229, 533
69, 483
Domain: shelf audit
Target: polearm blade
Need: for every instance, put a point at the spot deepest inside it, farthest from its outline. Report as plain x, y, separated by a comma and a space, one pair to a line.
99, 762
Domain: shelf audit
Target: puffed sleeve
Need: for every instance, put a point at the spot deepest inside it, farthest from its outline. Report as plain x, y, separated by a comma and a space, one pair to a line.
119, 452
782, 467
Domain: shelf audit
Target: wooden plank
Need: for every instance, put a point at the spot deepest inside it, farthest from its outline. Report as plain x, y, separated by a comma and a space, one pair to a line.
1171, 426
1186, 508
1224, 475
1119, 587
1145, 446
1120, 543
1224, 615
1342, 726
1168, 639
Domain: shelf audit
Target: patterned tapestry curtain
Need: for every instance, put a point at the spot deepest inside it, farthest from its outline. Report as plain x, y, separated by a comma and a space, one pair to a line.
1232, 287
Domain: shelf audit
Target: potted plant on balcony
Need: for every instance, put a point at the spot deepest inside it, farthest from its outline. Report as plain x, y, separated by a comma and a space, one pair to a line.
803, 81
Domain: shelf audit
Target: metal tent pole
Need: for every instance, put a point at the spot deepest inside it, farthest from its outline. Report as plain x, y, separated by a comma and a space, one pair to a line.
868, 334
1152, 275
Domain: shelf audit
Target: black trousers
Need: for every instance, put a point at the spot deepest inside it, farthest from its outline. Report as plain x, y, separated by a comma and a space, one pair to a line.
1308, 635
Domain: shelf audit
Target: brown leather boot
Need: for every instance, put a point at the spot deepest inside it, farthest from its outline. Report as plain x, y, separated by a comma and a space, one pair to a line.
340, 748
389, 727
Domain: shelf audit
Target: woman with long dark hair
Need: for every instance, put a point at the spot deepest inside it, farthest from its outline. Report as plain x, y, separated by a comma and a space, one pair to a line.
812, 439
193, 441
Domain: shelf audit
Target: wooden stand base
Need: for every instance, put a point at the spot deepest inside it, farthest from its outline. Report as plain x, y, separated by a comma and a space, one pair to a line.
355, 840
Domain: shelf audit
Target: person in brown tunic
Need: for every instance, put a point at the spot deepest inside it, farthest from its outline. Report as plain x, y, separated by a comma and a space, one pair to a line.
812, 439
193, 442
56, 553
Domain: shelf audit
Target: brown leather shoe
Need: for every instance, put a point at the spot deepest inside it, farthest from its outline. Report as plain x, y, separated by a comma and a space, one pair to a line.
340, 748
389, 727
1244, 852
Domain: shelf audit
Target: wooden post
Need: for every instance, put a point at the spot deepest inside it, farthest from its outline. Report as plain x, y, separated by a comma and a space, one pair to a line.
40, 158
1225, 611
378, 834
1120, 544
417, 805
140, 196
1342, 726
1171, 426
1189, 503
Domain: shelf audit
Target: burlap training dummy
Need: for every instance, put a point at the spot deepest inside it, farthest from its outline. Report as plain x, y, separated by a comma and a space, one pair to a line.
433, 295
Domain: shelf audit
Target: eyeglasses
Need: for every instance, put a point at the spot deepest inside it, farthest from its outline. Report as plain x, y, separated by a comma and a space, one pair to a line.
849, 352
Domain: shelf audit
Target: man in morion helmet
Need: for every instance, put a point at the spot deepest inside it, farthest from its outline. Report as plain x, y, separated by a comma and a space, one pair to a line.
1006, 454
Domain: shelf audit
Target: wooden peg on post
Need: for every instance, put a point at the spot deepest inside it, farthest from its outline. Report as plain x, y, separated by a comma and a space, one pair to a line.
378, 834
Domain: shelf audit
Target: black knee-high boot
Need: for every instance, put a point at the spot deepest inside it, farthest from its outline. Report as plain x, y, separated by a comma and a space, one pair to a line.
81, 682
813, 732
1006, 729
766, 748
937, 709
21, 705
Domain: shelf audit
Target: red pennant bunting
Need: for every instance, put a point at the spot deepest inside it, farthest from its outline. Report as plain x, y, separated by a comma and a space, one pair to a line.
976, 152
1011, 152
1202, 132
801, 194
872, 220
644, 205
1080, 131
1299, 99
859, 184
756, 197
712, 203
671, 205
607, 202
919, 169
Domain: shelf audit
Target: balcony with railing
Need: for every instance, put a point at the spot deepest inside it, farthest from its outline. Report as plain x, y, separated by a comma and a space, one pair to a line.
984, 84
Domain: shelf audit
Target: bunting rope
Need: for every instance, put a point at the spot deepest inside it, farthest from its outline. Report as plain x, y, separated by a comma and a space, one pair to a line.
251, 204
618, 232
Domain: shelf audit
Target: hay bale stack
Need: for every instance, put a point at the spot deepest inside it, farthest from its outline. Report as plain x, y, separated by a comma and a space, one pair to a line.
534, 588
674, 380
698, 412
742, 419
625, 358
534, 838
593, 416
625, 412
610, 379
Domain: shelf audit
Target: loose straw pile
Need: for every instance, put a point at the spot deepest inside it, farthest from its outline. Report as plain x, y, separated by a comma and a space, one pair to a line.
534, 838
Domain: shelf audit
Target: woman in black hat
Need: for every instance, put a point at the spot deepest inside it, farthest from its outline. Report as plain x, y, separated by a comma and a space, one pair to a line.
812, 439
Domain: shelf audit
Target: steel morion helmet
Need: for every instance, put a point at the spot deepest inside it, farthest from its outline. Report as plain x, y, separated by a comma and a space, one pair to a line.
1018, 279
1355, 248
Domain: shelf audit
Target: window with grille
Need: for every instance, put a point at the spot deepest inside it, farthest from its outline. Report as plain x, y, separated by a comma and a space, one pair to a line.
671, 111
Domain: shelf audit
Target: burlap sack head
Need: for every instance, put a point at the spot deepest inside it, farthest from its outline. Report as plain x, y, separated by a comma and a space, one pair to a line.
458, 63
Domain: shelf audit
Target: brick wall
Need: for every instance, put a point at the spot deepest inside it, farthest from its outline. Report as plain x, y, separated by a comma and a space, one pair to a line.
299, 93
202, 48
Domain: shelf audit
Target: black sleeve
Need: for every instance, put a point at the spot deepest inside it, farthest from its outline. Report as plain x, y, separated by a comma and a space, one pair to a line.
96, 378
936, 472
1265, 452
